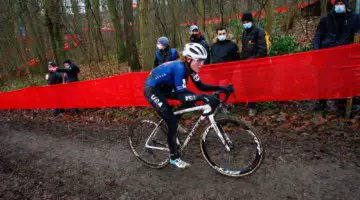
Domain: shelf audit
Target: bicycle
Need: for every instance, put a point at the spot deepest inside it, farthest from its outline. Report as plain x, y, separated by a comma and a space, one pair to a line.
219, 145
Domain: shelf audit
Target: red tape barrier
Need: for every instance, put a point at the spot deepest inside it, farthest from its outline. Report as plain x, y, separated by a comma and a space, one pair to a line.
324, 74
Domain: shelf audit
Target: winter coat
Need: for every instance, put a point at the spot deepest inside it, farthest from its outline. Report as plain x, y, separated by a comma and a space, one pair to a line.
336, 30
71, 73
55, 78
253, 44
224, 51
166, 55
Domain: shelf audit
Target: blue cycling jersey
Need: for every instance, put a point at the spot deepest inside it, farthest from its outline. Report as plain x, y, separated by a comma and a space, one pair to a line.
171, 78
171, 74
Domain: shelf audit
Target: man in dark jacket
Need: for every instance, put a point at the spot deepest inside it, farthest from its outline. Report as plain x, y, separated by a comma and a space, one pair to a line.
253, 39
54, 79
253, 46
337, 28
70, 71
197, 37
224, 50
164, 53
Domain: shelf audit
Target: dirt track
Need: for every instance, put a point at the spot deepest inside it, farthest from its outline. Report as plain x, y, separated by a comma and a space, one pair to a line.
73, 161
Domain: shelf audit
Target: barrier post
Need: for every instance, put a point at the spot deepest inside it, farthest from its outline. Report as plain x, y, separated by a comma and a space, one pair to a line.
350, 100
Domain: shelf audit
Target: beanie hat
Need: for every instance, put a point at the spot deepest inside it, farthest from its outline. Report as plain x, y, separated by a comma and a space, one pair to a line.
67, 61
247, 17
164, 41
193, 27
53, 64
346, 2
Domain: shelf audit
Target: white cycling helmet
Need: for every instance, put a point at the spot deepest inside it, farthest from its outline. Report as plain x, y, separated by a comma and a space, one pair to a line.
195, 51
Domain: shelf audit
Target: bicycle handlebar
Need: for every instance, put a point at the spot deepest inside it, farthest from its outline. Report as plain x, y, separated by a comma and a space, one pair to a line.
227, 94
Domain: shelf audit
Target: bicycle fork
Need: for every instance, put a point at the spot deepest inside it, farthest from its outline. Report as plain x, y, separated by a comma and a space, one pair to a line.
226, 141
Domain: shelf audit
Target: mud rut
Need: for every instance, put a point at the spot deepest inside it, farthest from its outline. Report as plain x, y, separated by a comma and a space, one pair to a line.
69, 161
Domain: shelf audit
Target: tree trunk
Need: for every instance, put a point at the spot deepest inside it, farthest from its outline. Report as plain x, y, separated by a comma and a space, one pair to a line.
133, 57
116, 23
176, 35
90, 33
250, 7
147, 42
76, 19
97, 25
18, 37
37, 49
291, 15
40, 41
323, 7
269, 16
202, 15
58, 31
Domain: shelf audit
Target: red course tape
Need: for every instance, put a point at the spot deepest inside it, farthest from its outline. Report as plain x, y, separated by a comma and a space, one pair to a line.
325, 74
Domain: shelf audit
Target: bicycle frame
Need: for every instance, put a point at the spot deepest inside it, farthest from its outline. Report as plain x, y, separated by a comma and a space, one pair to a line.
206, 109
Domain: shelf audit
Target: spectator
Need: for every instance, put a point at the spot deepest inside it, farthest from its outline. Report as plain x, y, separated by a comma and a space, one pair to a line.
224, 50
253, 46
197, 37
53, 79
164, 52
70, 71
337, 28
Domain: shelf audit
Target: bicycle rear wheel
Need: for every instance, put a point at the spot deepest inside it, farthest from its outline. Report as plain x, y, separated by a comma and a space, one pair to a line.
245, 153
148, 142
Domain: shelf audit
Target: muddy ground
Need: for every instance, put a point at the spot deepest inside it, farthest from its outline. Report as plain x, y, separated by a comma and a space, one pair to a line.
77, 159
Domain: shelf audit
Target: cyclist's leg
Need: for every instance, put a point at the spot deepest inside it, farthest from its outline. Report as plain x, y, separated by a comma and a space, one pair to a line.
158, 101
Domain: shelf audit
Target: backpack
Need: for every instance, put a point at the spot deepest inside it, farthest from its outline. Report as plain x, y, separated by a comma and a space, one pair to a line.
267, 40
173, 54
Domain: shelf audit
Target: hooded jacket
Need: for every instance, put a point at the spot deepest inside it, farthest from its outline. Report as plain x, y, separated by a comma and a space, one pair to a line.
336, 29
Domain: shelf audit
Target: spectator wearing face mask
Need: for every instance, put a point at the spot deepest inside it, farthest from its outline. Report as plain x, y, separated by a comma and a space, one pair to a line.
71, 72
253, 46
197, 37
54, 78
164, 53
253, 39
224, 50
337, 28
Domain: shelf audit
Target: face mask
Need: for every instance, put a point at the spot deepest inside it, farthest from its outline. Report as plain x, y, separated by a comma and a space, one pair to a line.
160, 46
340, 9
194, 36
221, 37
247, 25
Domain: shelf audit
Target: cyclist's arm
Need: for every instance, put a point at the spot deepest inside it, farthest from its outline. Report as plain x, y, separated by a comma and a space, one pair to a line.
201, 86
182, 93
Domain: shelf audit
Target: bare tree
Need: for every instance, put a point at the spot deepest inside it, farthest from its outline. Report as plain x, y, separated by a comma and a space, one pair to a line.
175, 24
131, 49
147, 42
269, 11
97, 32
120, 49
323, 7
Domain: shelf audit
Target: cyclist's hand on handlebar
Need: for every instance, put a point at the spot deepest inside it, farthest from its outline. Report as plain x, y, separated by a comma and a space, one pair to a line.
211, 100
228, 89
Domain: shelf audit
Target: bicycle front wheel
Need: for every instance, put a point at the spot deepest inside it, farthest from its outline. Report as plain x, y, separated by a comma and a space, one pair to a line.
147, 139
242, 152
